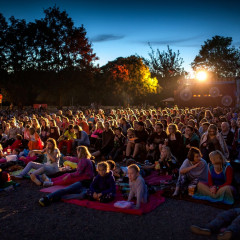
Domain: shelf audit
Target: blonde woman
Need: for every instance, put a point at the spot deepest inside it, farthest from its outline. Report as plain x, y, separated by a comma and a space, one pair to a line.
220, 176
50, 167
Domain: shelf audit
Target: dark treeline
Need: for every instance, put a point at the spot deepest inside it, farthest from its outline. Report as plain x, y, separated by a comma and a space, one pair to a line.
52, 61
48, 60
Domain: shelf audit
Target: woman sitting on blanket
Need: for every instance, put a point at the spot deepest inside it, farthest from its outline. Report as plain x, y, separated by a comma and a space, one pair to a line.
103, 188
220, 176
70, 178
138, 188
193, 169
51, 167
77, 188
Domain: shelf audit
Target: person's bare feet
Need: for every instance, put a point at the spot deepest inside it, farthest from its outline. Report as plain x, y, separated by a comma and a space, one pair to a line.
35, 180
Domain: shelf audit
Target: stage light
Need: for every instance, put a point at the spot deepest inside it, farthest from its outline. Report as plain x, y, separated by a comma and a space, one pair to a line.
201, 76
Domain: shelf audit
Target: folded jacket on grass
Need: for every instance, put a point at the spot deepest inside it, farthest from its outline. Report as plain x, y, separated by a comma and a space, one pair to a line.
154, 201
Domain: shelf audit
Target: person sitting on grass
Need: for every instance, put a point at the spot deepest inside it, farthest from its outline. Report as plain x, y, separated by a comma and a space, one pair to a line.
167, 163
67, 139
193, 169
70, 178
103, 188
228, 221
139, 143
220, 176
81, 137
119, 142
107, 141
51, 167
138, 188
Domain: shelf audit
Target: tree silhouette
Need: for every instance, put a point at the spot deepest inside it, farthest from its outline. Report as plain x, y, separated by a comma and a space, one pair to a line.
217, 55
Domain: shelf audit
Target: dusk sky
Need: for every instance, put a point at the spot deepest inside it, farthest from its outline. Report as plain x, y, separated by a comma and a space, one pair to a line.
123, 28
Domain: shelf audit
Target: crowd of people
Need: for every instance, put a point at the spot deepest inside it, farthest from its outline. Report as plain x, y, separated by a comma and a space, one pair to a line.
198, 147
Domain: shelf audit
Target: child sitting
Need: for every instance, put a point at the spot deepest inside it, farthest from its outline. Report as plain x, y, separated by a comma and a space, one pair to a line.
103, 188
138, 188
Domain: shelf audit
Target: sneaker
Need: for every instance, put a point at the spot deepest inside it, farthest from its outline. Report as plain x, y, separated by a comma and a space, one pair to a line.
44, 201
227, 235
47, 184
200, 231
35, 180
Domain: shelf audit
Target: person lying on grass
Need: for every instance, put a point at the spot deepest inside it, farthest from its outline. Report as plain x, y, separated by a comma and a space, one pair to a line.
103, 188
226, 224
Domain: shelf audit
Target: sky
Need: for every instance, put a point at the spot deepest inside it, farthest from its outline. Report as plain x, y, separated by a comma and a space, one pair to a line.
123, 28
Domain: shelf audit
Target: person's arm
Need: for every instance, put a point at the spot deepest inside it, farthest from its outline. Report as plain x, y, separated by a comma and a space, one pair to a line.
80, 168
188, 169
229, 177
210, 181
131, 194
53, 157
140, 192
93, 186
112, 187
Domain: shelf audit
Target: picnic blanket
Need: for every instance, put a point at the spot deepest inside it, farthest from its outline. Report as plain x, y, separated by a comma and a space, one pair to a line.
155, 179
154, 201
168, 191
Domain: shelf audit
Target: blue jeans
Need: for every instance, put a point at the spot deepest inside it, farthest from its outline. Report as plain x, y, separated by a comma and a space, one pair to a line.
229, 219
72, 189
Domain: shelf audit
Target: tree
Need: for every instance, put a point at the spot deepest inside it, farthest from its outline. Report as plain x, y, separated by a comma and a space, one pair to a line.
48, 58
166, 66
217, 55
128, 79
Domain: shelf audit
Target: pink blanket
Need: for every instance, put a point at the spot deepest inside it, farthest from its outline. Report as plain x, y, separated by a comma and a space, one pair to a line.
154, 201
155, 179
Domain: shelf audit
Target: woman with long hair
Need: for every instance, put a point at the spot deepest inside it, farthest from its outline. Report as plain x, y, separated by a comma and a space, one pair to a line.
220, 176
174, 140
50, 167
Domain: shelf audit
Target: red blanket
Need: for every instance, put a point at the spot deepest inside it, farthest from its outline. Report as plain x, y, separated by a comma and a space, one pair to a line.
154, 201
155, 179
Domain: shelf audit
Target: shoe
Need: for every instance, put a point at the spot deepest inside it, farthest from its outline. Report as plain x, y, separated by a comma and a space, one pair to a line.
227, 235
200, 231
44, 201
47, 184
35, 180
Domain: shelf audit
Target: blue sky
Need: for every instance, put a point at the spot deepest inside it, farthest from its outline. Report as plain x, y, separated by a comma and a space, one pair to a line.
123, 28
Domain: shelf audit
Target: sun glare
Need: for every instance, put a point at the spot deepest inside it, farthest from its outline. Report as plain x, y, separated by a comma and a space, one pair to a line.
201, 76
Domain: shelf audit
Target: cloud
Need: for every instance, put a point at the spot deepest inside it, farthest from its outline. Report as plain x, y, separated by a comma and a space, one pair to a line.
106, 37
173, 41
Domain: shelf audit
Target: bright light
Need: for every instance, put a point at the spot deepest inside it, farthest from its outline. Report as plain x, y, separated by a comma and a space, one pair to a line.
201, 76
